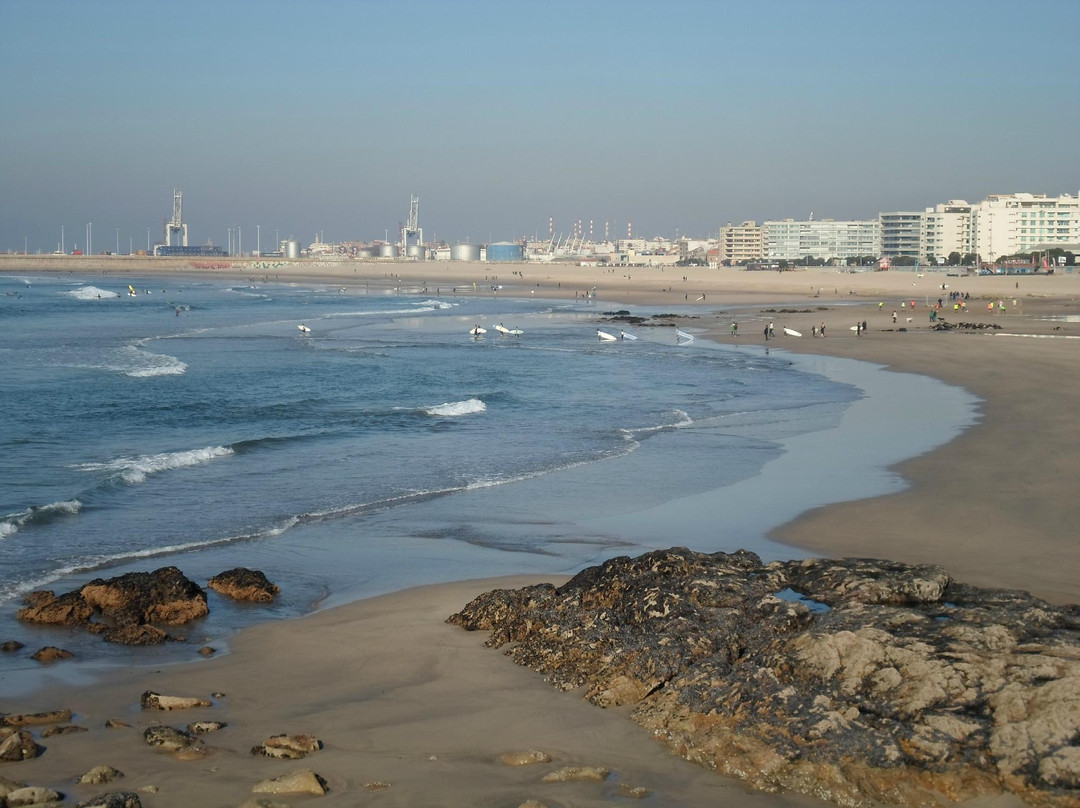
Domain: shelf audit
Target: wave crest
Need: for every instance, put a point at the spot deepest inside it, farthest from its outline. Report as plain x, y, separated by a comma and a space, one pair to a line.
37, 514
135, 470
90, 293
456, 408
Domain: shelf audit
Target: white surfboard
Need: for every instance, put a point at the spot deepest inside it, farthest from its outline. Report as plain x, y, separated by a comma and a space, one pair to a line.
626, 335
605, 336
502, 329
791, 332
683, 335
304, 328
476, 331
515, 332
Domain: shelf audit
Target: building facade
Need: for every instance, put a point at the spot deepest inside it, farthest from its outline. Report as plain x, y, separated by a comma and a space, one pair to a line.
790, 240
946, 229
901, 233
1007, 224
741, 243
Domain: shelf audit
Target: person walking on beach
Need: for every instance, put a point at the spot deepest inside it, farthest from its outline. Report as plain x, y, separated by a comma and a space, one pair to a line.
734, 329
858, 329
813, 331
864, 326
894, 315
771, 333
822, 329
766, 333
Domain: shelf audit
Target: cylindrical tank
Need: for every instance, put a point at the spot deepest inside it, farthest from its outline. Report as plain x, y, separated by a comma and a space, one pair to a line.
506, 251
416, 251
388, 251
365, 252
292, 248
465, 252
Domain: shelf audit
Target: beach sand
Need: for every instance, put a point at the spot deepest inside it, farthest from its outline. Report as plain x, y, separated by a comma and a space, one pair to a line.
397, 696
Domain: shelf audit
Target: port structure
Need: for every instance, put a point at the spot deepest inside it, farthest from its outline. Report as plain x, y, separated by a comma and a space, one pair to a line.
176, 224
412, 226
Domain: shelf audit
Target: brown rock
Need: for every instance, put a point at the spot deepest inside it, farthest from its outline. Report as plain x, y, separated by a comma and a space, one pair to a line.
100, 774
16, 745
288, 747
155, 701
298, 782
577, 774
32, 796
244, 584
11, 646
176, 741
161, 596
206, 651
45, 607
50, 653
203, 727
33, 719
526, 757
116, 723
135, 634
69, 729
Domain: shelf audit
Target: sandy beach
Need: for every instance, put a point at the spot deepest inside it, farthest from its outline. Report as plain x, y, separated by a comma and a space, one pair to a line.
399, 697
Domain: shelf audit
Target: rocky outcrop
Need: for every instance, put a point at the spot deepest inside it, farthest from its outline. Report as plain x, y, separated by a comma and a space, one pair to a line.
61, 716
288, 747
128, 606
113, 799
156, 701
11, 646
855, 680
244, 584
100, 774
50, 653
178, 742
16, 745
298, 782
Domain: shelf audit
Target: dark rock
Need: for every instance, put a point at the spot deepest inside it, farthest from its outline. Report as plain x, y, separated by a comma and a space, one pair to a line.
854, 680
244, 584
288, 747
16, 745
11, 646
170, 739
129, 605
50, 653
67, 729
113, 799
162, 596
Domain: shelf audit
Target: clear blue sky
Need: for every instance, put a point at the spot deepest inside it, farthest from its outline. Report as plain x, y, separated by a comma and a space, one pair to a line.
678, 115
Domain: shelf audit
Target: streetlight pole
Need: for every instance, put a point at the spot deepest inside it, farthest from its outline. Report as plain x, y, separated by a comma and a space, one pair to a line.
62, 238
118, 241
148, 241
258, 240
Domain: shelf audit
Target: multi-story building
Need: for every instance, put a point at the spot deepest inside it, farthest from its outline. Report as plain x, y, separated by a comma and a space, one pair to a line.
790, 240
1006, 224
741, 243
946, 229
901, 233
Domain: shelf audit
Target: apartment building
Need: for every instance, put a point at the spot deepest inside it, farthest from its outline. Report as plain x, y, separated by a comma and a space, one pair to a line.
946, 229
1006, 224
901, 233
791, 240
741, 243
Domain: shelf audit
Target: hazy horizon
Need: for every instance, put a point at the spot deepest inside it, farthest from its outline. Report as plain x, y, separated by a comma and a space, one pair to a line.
323, 117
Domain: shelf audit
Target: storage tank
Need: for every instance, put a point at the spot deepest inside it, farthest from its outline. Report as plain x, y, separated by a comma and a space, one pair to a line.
416, 251
365, 252
465, 252
292, 248
388, 251
506, 251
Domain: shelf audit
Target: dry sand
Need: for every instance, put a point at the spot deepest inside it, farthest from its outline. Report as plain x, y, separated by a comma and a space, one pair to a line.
400, 697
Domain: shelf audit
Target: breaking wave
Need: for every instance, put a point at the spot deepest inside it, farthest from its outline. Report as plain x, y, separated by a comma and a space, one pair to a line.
456, 408
37, 515
90, 293
135, 470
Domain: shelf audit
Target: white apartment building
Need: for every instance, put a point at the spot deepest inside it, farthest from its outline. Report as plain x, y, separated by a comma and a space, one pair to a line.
946, 229
901, 233
1005, 224
790, 240
741, 243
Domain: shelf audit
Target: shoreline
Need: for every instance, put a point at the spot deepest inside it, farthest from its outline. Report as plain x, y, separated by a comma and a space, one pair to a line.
398, 696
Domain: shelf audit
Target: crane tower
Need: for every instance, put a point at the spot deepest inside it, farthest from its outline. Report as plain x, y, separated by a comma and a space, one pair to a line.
412, 226
176, 224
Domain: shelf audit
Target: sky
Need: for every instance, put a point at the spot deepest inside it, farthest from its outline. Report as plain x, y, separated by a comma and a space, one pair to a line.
322, 117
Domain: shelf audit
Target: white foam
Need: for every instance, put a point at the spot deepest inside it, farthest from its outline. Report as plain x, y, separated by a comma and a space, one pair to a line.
456, 408
90, 293
11, 523
438, 304
135, 470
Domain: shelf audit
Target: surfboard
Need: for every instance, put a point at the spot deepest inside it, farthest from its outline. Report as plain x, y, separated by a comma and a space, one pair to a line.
791, 332
476, 331
515, 331
683, 335
854, 328
605, 336
502, 329
303, 328
626, 335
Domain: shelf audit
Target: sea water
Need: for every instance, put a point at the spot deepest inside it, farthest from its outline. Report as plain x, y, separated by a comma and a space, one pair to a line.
194, 424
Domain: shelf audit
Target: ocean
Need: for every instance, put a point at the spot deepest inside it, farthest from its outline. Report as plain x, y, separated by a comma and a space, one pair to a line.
195, 424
